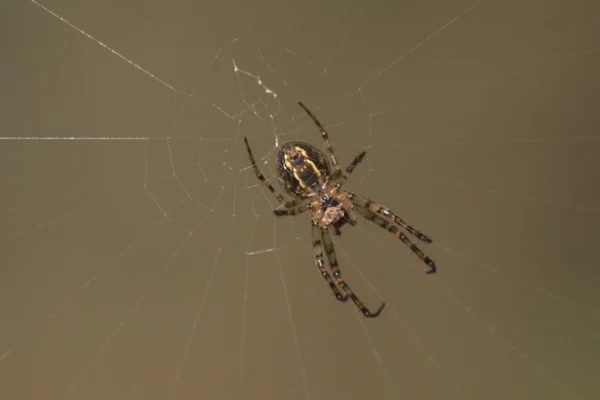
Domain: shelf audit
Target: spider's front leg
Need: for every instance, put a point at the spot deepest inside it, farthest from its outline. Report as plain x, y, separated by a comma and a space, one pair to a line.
377, 208
318, 249
337, 274
383, 217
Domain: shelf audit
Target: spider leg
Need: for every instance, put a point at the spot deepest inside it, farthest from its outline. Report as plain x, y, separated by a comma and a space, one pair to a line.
262, 178
325, 136
318, 249
386, 212
386, 224
342, 178
333, 264
355, 162
293, 209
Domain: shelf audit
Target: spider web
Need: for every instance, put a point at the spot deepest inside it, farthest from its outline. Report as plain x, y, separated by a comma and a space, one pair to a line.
140, 255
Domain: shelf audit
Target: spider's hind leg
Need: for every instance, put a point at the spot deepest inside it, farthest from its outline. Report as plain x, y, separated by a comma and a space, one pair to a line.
350, 168
341, 177
280, 198
325, 136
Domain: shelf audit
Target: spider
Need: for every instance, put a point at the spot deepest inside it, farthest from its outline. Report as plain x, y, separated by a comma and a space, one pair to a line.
306, 175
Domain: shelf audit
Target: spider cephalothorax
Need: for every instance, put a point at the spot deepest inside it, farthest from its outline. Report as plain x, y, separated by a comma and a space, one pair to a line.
305, 174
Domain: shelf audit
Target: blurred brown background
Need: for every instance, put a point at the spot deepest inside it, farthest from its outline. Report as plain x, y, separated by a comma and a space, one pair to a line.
140, 258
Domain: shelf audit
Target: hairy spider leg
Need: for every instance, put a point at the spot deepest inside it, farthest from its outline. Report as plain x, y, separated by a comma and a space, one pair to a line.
337, 274
293, 209
350, 169
386, 212
355, 162
325, 136
295, 202
262, 178
386, 224
318, 249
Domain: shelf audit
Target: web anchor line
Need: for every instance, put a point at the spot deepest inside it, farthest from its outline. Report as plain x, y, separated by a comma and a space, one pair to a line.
74, 138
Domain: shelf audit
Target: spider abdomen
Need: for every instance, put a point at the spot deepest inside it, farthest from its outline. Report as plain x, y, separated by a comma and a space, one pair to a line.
301, 168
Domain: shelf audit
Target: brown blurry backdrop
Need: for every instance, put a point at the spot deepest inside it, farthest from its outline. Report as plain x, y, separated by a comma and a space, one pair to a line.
144, 262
